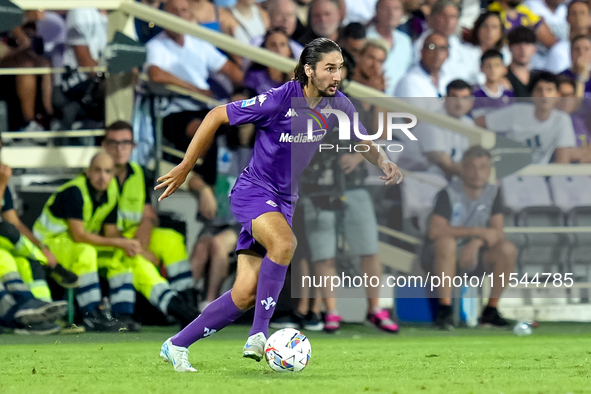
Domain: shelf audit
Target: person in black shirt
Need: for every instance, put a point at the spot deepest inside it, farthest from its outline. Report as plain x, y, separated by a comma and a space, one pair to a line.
522, 44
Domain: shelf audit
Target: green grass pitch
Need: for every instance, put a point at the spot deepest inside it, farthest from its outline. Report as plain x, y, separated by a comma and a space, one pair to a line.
555, 359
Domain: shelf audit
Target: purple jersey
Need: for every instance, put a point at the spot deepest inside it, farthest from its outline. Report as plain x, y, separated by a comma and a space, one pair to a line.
282, 150
485, 101
569, 73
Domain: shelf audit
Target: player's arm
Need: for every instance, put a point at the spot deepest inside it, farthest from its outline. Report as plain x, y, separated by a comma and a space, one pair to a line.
444, 161
199, 144
158, 75
112, 237
377, 156
440, 228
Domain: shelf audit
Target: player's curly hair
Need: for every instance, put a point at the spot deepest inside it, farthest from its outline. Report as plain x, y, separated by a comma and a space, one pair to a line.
311, 55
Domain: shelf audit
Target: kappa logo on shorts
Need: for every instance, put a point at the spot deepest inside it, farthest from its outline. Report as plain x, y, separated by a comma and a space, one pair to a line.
272, 203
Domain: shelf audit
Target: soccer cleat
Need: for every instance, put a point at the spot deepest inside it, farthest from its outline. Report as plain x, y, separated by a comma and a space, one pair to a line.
255, 346
383, 321
444, 320
332, 322
40, 328
492, 318
63, 277
127, 323
177, 356
37, 311
96, 321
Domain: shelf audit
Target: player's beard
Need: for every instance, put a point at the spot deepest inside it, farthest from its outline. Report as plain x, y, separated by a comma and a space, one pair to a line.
322, 88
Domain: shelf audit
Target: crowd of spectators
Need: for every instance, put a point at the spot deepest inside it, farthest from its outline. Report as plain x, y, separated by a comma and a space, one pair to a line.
520, 69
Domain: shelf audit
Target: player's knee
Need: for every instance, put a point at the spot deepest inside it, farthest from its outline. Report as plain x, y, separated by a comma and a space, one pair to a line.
87, 258
281, 250
244, 298
508, 251
445, 246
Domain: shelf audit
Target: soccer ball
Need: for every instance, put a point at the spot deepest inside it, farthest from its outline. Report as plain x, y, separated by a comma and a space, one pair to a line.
288, 350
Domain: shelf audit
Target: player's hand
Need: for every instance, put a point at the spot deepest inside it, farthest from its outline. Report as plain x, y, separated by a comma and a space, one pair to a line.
51, 259
172, 181
350, 161
208, 206
5, 174
131, 247
392, 172
490, 236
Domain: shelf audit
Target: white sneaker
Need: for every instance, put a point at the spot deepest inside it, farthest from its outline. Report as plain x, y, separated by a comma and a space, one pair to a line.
255, 346
177, 356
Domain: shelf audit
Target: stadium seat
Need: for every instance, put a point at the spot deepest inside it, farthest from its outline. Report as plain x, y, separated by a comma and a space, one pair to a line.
543, 252
418, 196
569, 192
525, 191
580, 263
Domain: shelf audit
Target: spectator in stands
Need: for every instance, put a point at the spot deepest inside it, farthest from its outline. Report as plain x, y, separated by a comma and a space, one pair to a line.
86, 41
302, 12
460, 63
353, 38
571, 104
250, 20
522, 44
493, 94
185, 61
579, 21
370, 65
424, 79
70, 224
211, 184
400, 56
466, 236
262, 78
440, 150
488, 33
413, 21
548, 131
210, 15
324, 21
358, 11
514, 14
138, 220
282, 15
553, 13
19, 309
581, 64
28, 97
146, 30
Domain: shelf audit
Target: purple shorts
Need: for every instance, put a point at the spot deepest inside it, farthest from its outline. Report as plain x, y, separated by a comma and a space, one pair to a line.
249, 201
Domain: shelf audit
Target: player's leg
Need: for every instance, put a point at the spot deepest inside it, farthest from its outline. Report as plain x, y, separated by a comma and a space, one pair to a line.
169, 246
499, 259
271, 230
220, 313
33, 275
444, 264
200, 258
222, 244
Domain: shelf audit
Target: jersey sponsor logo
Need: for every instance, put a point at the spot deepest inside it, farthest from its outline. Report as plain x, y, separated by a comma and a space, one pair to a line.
271, 203
249, 102
262, 99
303, 138
291, 113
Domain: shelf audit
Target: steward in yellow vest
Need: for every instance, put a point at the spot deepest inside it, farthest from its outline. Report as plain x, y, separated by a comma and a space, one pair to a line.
137, 219
79, 225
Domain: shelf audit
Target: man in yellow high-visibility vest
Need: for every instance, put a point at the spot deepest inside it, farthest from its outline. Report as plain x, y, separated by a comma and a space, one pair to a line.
137, 219
71, 225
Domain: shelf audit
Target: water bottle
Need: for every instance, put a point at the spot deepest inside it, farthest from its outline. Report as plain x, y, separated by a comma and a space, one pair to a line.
522, 328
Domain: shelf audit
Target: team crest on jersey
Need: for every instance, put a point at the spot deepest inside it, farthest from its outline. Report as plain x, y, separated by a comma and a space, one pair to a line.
249, 102
262, 98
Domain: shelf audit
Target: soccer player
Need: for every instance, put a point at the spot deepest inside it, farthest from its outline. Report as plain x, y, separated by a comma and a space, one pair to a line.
266, 192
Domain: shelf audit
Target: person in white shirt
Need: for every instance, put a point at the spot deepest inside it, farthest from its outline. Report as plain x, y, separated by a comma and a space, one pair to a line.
424, 79
400, 56
579, 20
361, 11
461, 63
440, 150
538, 125
185, 61
554, 14
251, 20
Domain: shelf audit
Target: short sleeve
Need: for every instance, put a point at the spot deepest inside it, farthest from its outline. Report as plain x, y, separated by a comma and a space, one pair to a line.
157, 54
500, 120
112, 217
7, 204
497, 204
442, 205
433, 139
68, 204
215, 59
260, 109
566, 136
77, 22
